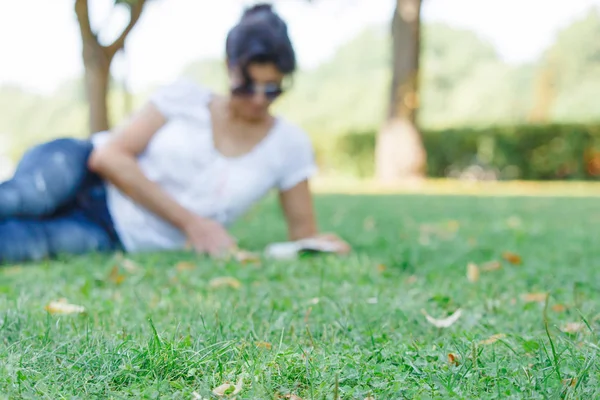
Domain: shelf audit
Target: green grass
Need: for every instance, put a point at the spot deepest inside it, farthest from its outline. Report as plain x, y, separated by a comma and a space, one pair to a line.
165, 333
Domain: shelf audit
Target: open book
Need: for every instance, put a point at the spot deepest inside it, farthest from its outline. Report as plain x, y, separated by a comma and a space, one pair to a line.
324, 243
320, 244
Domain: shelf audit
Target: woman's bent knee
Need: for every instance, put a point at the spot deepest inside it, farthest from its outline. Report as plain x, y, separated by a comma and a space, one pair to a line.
23, 240
47, 177
20, 241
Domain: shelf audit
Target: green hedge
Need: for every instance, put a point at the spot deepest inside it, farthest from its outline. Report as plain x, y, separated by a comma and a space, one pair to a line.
529, 152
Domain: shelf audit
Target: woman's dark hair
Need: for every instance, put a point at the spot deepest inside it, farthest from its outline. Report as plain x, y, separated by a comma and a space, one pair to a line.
260, 36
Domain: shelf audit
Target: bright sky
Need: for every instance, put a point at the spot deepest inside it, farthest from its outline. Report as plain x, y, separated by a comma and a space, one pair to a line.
41, 49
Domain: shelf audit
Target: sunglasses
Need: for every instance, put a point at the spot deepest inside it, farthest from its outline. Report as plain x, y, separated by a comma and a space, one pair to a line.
270, 90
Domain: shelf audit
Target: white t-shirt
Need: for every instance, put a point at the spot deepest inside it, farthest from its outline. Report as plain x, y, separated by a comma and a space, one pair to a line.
182, 159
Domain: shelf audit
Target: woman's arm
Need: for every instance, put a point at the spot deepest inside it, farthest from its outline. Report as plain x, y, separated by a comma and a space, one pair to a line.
116, 162
295, 195
298, 210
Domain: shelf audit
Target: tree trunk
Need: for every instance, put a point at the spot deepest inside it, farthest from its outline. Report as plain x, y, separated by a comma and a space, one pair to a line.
544, 93
97, 75
97, 59
400, 154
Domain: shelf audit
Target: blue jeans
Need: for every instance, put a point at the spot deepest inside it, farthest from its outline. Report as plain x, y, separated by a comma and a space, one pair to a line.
54, 205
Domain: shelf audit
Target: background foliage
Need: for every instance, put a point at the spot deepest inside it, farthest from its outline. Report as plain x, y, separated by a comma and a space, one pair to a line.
470, 100
535, 152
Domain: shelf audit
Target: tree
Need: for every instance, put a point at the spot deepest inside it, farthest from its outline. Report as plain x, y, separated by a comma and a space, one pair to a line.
97, 59
399, 152
574, 61
545, 94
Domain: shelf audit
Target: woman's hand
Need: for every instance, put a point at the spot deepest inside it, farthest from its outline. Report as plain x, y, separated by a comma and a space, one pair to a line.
208, 236
342, 247
299, 214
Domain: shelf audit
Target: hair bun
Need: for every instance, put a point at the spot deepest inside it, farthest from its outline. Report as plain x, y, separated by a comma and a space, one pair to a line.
258, 9
263, 13
260, 34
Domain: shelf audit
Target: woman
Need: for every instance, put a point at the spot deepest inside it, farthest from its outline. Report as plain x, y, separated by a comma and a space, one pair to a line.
181, 169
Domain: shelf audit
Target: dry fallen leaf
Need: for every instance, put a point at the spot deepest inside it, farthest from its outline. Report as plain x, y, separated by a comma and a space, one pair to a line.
130, 266
559, 308
369, 224
117, 296
534, 297
228, 388
453, 359
439, 231
12, 270
369, 398
307, 315
491, 266
246, 257
569, 382
264, 345
514, 222
445, 322
225, 281
493, 338
583, 344
427, 228
453, 225
573, 327
411, 279
472, 272
512, 258
292, 397
184, 266
61, 306
381, 268
115, 276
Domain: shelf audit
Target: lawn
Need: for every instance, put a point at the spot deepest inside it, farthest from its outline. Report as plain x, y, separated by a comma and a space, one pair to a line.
161, 326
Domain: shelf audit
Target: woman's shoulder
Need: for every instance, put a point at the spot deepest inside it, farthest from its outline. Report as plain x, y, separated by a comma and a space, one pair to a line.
294, 154
290, 141
181, 97
291, 134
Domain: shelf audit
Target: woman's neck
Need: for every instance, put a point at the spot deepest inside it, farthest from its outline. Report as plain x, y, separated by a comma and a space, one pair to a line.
232, 113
